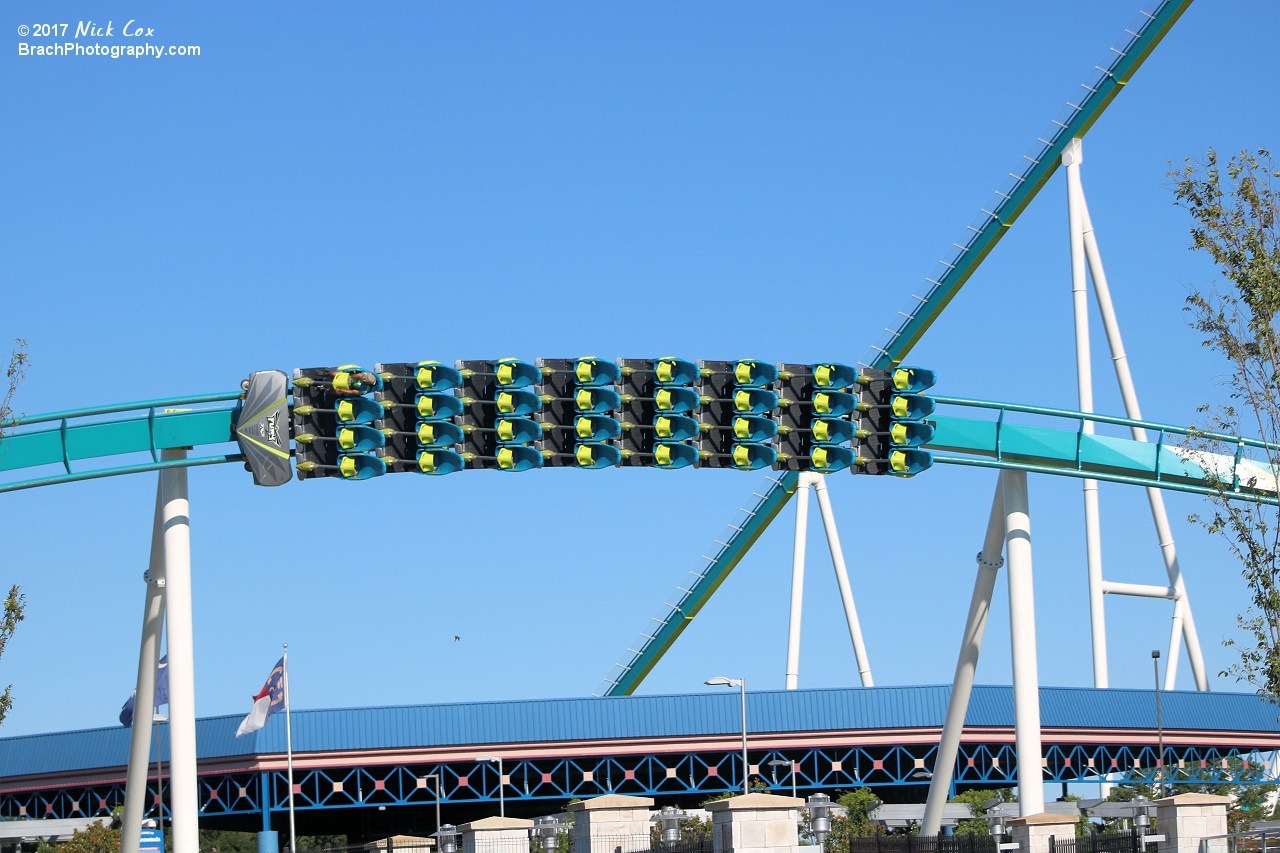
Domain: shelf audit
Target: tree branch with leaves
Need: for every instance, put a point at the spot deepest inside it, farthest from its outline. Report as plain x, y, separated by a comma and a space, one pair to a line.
1234, 212
15, 604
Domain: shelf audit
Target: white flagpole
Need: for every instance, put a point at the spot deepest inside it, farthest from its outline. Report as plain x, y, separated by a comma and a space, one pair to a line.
288, 735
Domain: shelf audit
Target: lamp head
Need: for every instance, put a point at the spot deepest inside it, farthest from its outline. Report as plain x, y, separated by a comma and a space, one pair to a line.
1155, 653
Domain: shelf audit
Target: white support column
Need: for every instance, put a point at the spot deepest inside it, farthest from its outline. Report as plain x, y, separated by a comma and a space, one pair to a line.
842, 577
1071, 158
989, 563
1155, 498
135, 789
1022, 637
797, 584
1175, 644
184, 798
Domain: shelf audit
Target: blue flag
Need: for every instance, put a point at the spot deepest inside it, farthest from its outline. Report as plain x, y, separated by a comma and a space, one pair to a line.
162, 693
268, 701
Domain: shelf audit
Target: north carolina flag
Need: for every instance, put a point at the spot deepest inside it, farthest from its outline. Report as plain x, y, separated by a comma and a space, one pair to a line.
269, 700
162, 693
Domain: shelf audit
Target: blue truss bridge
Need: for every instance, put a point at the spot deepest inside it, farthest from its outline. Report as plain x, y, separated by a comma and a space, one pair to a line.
358, 768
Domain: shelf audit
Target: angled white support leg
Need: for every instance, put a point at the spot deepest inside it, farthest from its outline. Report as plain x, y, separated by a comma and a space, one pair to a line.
989, 563
1071, 158
842, 579
1175, 643
184, 797
135, 787
1155, 497
1022, 636
797, 583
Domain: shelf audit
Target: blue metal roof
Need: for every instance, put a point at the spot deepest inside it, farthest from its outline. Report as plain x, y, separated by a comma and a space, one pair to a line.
545, 720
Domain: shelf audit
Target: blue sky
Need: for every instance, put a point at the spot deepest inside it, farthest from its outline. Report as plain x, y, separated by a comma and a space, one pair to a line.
328, 184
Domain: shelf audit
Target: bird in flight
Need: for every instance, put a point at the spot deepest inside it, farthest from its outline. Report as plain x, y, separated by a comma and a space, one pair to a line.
456, 638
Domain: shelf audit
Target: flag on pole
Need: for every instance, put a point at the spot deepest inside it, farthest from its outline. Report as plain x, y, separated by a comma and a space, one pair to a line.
268, 701
162, 693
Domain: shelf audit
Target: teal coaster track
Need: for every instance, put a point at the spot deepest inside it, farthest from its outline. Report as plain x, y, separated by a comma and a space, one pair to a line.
130, 437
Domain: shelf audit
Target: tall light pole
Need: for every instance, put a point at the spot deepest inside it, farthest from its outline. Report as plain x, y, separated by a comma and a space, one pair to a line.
1155, 662
436, 776
741, 684
502, 803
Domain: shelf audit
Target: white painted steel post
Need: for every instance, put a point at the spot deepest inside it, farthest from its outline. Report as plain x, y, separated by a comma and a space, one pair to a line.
1022, 637
1155, 498
135, 788
184, 798
1071, 158
1175, 643
989, 563
842, 579
797, 583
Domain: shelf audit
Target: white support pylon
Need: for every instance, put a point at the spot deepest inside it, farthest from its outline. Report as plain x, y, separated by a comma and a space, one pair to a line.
842, 579
135, 788
184, 795
1071, 159
1022, 640
797, 584
807, 480
989, 563
1183, 621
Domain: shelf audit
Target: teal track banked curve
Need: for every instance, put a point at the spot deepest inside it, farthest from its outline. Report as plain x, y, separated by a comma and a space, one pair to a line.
150, 427
146, 427
979, 238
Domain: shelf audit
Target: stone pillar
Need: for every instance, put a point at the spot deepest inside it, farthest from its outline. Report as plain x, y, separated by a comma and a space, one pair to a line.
611, 824
754, 823
496, 835
1185, 819
1032, 832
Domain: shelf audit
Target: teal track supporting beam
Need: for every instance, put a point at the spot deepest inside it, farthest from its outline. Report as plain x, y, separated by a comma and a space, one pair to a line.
692, 600
1028, 178
99, 473
1167, 485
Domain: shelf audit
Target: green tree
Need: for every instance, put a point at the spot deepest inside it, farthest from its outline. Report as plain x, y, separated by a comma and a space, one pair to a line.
1241, 781
1235, 221
977, 800
856, 822
15, 603
231, 842
97, 838
18, 364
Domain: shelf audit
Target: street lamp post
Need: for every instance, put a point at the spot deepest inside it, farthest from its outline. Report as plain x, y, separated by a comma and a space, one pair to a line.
502, 803
436, 776
741, 684
778, 762
1155, 662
